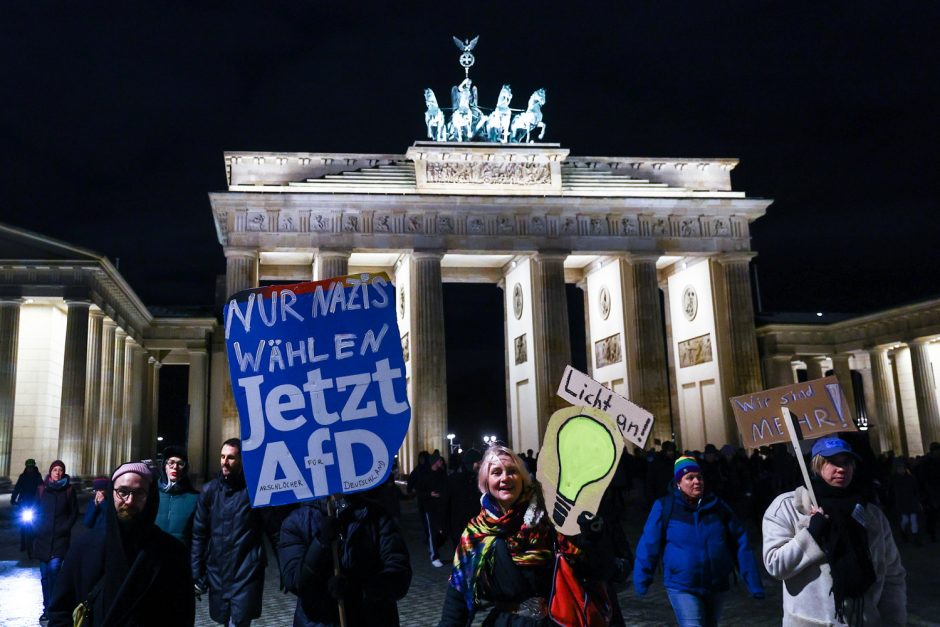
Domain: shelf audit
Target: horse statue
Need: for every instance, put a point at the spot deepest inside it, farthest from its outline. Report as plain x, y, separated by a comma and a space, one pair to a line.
497, 122
524, 123
434, 117
466, 112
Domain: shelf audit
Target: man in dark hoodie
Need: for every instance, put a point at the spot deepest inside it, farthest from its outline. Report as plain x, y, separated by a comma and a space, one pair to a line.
177, 496
230, 566
128, 572
57, 511
24, 496
374, 573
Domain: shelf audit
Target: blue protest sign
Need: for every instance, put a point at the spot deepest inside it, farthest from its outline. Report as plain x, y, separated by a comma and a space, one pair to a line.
319, 380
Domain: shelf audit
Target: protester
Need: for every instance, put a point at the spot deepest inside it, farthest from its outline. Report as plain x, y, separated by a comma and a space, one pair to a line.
177, 498
431, 486
700, 541
231, 565
375, 571
838, 561
128, 572
930, 486
462, 496
506, 555
94, 515
57, 511
24, 496
904, 500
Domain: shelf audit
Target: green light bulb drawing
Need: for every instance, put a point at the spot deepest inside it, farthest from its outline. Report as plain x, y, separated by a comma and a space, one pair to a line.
586, 453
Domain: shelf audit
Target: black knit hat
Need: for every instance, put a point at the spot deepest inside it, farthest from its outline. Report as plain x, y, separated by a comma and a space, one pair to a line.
175, 451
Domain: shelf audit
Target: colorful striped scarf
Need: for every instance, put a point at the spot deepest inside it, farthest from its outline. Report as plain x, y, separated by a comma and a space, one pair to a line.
528, 533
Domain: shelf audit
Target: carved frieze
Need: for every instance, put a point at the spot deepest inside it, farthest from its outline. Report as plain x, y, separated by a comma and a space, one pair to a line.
445, 225
505, 225
476, 225
629, 225
414, 224
690, 227
351, 224
382, 224
319, 223
489, 173
537, 225
286, 224
257, 221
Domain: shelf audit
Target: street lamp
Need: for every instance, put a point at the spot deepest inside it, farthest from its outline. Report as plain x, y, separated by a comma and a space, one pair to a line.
159, 438
450, 441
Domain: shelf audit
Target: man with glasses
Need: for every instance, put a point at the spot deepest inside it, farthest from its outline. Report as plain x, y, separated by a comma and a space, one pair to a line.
231, 566
177, 496
128, 572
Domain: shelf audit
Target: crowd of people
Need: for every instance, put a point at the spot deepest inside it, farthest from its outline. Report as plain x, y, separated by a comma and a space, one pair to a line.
151, 536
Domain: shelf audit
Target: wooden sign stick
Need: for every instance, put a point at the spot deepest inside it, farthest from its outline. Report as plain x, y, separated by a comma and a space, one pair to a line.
799, 455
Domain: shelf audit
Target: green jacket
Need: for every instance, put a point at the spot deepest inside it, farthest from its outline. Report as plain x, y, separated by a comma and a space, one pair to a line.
175, 515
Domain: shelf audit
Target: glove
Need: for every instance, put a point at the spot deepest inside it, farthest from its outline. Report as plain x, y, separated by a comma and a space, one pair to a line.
328, 531
818, 527
591, 526
342, 587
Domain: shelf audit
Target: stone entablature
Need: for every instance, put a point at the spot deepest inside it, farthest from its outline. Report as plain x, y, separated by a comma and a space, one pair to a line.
391, 222
900, 324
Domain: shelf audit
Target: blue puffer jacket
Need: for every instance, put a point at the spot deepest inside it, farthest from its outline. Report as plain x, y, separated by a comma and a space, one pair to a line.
704, 542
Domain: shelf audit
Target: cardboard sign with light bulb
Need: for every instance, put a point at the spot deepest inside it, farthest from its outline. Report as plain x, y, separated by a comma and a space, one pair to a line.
579, 456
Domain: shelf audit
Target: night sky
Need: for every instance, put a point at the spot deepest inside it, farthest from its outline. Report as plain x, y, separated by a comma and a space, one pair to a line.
114, 118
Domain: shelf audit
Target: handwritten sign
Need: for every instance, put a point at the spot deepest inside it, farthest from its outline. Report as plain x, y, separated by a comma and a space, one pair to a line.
819, 407
579, 457
319, 381
634, 422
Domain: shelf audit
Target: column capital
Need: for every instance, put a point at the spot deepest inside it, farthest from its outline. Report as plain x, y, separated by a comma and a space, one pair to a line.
921, 341
342, 253
11, 300
119, 332
95, 313
640, 257
741, 256
108, 322
551, 255
77, 302
427, 253
237, 252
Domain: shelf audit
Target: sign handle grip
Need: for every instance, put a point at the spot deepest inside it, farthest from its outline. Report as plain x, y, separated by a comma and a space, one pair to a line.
799, 455
334, 546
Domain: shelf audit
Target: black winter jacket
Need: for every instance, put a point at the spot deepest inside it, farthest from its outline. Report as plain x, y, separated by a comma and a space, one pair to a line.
57, 511
228, 555
373, 558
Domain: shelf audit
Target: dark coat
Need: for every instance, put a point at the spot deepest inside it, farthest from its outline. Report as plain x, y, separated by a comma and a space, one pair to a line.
461, 502
24, 492
94, 514
228, 555
144, 574
704, 543
373, 557
177, 509
57, 511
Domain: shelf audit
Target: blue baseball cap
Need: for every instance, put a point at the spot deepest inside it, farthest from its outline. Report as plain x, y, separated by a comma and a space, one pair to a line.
827, 447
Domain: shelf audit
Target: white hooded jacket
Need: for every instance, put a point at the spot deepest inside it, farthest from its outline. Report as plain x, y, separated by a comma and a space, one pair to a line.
792, 555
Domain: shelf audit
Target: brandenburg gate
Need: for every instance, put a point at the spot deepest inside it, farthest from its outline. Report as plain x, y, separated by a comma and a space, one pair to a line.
659, 247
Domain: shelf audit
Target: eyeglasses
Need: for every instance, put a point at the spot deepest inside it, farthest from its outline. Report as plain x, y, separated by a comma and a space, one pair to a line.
172, 463
124, 493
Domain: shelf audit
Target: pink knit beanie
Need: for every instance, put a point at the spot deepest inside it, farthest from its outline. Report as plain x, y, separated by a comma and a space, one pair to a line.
139, 468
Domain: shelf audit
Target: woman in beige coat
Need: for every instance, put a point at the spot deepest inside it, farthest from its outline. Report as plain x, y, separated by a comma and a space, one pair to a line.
838, 562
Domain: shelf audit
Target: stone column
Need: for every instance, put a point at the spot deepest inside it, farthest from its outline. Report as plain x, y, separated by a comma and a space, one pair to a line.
428, 356
75, 368
91, 431
886, 416
241, 273
330, 263
841, 367
925, 391
127, 407
778, 370
102, 445
139, 368
152, 410
551, 341
117, 401
645, 343
241, 270
738, 307
198, 379
815, 366
9, 340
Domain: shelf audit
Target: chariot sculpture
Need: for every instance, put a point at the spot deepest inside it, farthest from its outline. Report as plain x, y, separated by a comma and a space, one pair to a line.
470, 122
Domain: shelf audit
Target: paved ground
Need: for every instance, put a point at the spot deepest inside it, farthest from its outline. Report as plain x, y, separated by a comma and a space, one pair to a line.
21, 598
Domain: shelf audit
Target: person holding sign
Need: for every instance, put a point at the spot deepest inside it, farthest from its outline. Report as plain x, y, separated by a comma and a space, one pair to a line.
838, 560
507, 554
701, 542
374, 572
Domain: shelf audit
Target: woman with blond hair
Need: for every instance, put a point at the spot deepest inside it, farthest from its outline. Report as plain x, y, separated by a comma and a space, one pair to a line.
506, 555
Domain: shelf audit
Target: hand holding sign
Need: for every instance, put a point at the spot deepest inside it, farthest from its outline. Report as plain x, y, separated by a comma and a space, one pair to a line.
319, 381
